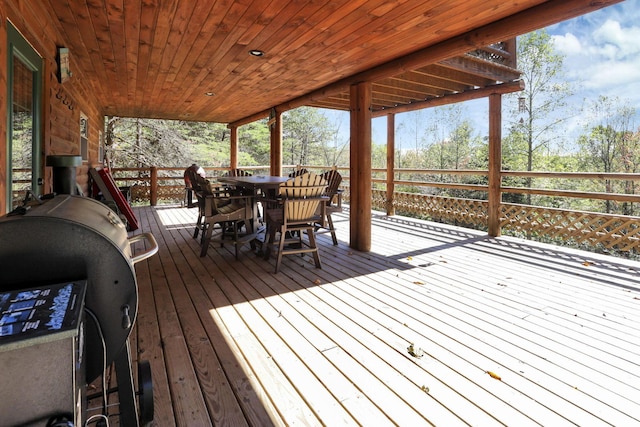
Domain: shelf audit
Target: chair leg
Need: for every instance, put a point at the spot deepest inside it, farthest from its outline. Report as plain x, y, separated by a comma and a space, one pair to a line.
312, 244
198, 226
280, 248
206, 239
235, 236
203, 230
269, 240
300, 244
332, 229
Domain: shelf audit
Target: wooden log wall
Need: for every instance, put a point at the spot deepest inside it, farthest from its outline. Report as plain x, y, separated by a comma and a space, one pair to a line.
62, 103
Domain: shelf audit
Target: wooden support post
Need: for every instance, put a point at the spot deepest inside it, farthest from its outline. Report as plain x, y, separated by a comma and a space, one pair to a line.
495, 164
360, 172
233, 160
391, 161
153, 196
275, 129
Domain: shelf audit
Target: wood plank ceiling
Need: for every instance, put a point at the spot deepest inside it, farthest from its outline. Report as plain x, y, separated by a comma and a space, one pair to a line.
160, 59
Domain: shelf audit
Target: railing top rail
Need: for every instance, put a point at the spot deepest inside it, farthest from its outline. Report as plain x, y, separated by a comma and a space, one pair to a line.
573, 175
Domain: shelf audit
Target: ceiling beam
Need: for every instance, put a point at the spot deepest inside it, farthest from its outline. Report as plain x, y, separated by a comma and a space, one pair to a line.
501, 88
532, 19
482, 68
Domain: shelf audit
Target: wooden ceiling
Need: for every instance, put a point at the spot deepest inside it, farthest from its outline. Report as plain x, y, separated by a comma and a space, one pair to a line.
159, 59
475, 70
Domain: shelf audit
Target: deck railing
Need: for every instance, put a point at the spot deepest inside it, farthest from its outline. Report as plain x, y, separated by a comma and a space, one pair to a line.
464, 201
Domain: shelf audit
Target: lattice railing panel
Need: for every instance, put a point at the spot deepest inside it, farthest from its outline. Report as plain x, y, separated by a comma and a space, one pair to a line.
614, 232
167, 192
470, 212
345, 194
140, 193
617, 232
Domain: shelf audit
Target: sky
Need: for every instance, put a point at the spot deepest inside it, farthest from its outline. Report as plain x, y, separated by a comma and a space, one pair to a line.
602, 57
602, 54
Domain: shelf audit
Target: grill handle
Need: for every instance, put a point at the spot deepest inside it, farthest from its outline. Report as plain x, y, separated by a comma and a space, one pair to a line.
148, 253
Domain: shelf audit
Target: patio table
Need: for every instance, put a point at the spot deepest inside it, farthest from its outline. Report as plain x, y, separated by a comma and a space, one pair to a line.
256, 184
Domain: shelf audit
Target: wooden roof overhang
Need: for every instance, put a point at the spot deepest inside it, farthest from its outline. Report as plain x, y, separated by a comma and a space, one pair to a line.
480, 69
190, 60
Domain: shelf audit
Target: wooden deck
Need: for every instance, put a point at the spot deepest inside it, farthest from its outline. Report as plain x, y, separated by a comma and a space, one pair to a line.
510, 332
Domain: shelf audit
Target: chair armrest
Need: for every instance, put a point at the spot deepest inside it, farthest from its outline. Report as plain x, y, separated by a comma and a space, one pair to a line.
271, 203
338, 197
213, 201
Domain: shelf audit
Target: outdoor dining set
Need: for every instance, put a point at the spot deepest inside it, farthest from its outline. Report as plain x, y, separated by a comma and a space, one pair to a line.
267, 212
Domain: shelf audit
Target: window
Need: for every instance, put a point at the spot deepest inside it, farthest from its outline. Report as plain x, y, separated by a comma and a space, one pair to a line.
24, 139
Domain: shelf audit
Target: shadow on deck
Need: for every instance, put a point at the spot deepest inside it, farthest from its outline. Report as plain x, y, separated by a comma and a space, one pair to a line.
437, 325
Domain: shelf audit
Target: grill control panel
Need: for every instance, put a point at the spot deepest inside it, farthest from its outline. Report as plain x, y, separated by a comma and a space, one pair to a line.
42, 354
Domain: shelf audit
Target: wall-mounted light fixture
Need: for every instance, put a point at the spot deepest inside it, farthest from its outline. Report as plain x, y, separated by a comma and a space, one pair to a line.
64, 73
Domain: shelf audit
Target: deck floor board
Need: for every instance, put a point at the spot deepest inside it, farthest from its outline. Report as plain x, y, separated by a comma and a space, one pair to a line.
232, 343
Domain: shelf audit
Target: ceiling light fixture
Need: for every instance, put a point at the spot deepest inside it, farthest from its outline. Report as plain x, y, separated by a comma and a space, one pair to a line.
256, 52
209, 93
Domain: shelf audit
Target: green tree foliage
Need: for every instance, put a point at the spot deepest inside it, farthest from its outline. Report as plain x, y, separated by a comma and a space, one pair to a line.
308, 138
22, 141
455, 150
610, 145
254, 144
306, 135
335, 151
540, 106
144, 142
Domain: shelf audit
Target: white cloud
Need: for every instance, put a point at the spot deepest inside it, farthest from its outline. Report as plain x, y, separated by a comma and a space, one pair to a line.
618, 41
567, 44
613, 73
602, 52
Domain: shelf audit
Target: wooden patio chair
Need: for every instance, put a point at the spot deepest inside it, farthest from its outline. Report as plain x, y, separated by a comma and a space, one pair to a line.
293, 214
299, 170
237, 191
333, 203
197, 184
218, 207
189, 174
237, 172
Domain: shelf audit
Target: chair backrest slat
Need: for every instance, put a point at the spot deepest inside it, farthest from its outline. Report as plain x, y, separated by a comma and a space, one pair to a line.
237, 172
333, 179
302, 195
299, 170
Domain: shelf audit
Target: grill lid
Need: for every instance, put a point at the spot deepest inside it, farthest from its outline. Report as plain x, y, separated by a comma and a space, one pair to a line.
75, 238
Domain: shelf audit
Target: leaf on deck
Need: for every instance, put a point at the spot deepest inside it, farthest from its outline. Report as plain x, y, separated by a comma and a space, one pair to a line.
494, 376
415, 351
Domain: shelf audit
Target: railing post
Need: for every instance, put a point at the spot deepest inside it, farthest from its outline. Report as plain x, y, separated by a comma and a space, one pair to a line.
495, 164
391, 161
233, 164
275, 127
153, 195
